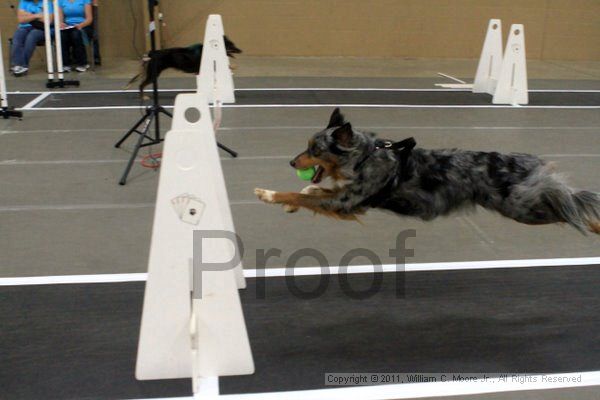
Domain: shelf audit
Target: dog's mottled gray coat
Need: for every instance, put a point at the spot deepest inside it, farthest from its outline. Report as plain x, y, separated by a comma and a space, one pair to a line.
436, 182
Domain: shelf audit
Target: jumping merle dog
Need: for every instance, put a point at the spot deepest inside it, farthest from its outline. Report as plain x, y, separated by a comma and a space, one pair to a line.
373, 173
186, 59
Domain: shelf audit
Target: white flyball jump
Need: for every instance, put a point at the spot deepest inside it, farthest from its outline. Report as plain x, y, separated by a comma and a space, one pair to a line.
183, 334
215, 79
490, 61
5, 111
55, 78
502, 75
512, 85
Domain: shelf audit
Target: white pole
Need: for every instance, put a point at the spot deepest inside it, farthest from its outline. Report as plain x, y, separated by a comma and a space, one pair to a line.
3, 96
49, 59
58, 42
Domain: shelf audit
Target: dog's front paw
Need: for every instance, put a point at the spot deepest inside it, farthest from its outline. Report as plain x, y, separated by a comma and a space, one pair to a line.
290, 209
268, 196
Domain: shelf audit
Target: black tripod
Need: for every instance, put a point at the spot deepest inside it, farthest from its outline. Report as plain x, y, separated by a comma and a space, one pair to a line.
152, 113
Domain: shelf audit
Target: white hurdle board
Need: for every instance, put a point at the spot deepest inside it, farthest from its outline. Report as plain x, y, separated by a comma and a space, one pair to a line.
48, 40
512, 85
3, 92
490, 61
59, 72
215, 79
181, 336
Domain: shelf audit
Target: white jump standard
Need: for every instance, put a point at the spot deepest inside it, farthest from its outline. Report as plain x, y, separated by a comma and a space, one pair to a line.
56, 79
504, 76
5, 111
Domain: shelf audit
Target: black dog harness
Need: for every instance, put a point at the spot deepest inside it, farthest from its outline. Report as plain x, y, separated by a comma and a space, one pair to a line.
402, 150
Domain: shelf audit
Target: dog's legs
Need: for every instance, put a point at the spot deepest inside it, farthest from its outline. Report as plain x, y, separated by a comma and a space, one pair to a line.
314, 202
310, 189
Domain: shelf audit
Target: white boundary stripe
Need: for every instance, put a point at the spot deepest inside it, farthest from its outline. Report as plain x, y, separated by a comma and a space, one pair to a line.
68, 207
72, 279
571, 155
391, 127
420, 390
109, 206
35, 101
439, 266
333, 89
482, 106
225, 130
7, 163
311, 271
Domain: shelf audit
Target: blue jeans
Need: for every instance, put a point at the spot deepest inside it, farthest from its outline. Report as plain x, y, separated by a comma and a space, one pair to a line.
24, 41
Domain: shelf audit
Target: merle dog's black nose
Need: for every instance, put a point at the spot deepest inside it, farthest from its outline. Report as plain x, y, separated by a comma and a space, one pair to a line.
293, 163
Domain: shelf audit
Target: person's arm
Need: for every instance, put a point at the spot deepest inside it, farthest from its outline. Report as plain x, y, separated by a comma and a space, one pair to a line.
88, 17
61, 18
25, 17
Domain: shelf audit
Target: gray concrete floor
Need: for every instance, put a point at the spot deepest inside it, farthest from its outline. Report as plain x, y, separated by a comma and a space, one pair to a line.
62, 212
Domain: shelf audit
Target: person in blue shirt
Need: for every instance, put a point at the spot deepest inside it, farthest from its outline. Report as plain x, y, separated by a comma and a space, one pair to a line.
76, 21
28, 35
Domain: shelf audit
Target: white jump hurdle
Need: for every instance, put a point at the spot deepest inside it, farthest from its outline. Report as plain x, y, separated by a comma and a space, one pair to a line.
490, 61
502, 75
5, 111
56, 78
512, 83
181, 335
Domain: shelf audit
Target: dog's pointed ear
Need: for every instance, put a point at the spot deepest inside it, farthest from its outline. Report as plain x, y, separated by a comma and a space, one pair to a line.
343, 135
336, 119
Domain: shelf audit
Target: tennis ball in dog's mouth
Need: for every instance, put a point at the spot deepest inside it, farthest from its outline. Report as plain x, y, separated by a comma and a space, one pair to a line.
306, 174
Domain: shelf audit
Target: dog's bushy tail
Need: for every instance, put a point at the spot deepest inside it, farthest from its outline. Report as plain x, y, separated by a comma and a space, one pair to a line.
580, 209
588, 205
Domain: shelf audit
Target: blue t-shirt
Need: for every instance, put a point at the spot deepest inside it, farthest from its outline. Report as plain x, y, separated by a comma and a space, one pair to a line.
73, 11
32, 7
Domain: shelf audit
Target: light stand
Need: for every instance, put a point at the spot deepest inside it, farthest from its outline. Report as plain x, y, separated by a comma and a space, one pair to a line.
152, 113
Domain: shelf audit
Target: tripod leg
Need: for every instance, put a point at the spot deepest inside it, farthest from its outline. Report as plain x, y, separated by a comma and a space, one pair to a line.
124, 138
136, 150
231, 152
168, 114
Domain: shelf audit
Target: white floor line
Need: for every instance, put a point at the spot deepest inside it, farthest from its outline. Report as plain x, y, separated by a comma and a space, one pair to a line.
271, 128
439, 266
592, 262
404, 106
69, 207
570, 155
92, 108
86, 130
35, 101
444, 128
72, 279
60, 162
447, 106
284, 89
429, 389
110, 206
101, 91
5, 163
